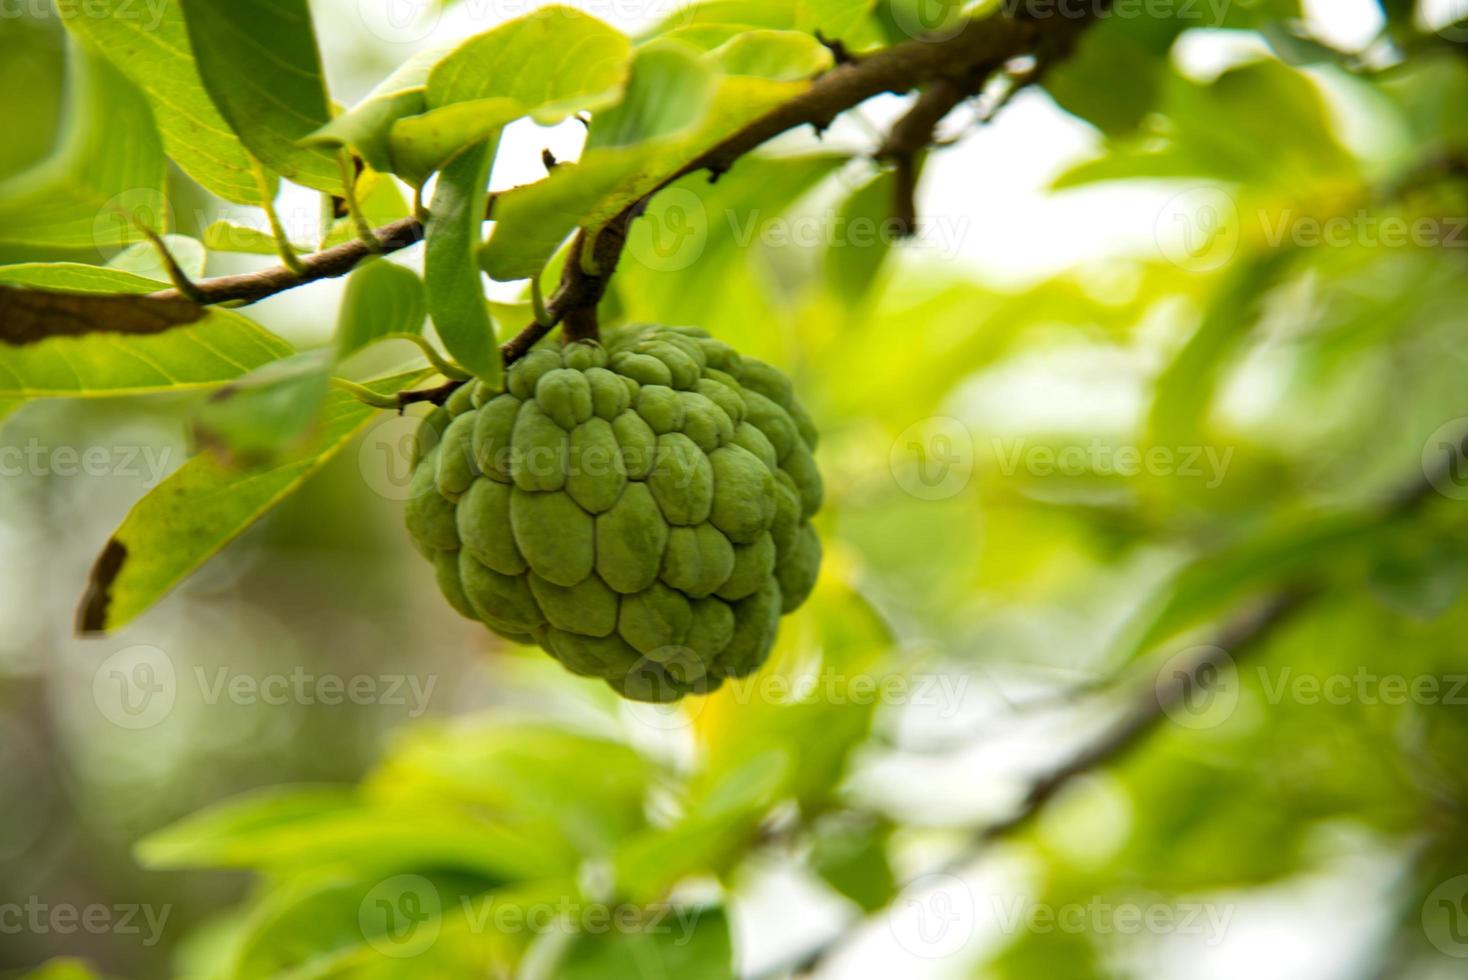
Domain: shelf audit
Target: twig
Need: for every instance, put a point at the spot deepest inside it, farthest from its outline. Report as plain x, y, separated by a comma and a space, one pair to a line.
981, 48
1153, 702
909, 139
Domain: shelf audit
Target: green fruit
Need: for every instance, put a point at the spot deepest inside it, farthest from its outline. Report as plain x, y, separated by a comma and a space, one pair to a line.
641, 510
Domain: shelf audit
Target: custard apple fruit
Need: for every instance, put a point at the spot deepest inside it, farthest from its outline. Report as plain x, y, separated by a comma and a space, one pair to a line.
641, 510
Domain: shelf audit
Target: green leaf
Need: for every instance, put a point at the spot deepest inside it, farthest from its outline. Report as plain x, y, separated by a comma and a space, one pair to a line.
226, 236
63, 969
1279, 557
249, 421
366, 126
420, 145
856, 254
451, 268
781, 56
532, 221
669, 91
554, 62
382, 299
143, 259
1184, 391
267, 411
837, 18
150, 45
83, 196
202, 507
547, 64
260, 65
688, 943
852, 858
219, 348
297, 829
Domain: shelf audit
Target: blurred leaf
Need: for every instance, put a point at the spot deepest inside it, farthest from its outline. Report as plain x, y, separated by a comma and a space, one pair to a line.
33, 58
840, 19
186, 519
87, 195
589, 792
296, 831
1304, 547
1114, 78
143, 259
688, 942
259, 64
150, 45
852, 858
248, 421
226, 236
1262, 124
854, 257
65, 969
1420, 578
1184, 392
451, 267
220, 347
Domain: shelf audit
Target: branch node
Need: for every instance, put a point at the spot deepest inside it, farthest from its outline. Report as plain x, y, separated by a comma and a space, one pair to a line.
840, 53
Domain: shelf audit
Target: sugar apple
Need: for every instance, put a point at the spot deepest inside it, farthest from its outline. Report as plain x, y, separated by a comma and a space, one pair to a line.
641, 510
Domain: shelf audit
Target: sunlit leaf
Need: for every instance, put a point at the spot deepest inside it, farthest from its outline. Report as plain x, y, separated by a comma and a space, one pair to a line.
696, 944
187, 518
150, 45
451, 269
366, 126
553, 62
88, 195
259, 64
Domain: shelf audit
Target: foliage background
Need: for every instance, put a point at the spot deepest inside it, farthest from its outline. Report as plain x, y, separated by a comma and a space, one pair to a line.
1287, 386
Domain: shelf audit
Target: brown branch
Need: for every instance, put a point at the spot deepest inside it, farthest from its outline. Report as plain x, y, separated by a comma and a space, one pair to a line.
1155, 701
909, 139
251, 287
964, 60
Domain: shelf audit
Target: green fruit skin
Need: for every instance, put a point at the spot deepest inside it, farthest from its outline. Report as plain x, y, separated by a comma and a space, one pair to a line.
640, 509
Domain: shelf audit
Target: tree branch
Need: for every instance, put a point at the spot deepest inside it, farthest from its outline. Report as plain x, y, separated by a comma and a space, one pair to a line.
1154, 702
963, 61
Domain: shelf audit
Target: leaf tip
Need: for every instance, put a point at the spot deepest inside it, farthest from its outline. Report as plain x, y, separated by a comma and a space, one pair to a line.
91, 618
